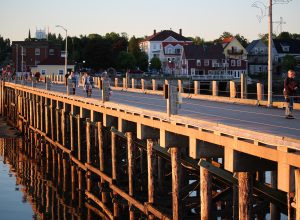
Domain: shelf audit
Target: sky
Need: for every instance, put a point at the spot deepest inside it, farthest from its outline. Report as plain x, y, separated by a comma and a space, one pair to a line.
207, 19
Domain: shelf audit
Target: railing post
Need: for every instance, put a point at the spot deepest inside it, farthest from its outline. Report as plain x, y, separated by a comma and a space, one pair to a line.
143, 84
232, 89
215, 89
124, 83
180, 88
260, 91
197, 87
151, 171
116, 82
243, 86
154, 85
133, 83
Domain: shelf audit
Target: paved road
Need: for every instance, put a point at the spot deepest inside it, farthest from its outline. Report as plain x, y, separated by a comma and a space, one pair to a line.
254, 118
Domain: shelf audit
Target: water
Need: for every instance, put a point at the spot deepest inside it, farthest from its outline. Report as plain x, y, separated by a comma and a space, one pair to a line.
13, 203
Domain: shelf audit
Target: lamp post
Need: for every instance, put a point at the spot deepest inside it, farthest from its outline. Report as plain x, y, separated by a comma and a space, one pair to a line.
270, 61
66, 48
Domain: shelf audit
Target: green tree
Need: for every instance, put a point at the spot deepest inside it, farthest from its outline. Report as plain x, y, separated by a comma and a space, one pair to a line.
126, 61
155, 64
265, 37
198, 40
142, 61
242, 40
135, 50
288, 63
133, 47
5, 51
284, 36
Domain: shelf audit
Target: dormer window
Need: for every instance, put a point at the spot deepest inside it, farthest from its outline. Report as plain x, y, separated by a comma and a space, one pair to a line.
285, 48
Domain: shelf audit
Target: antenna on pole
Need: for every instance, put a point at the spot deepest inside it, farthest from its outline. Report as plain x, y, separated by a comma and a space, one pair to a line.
268, 11
280, 24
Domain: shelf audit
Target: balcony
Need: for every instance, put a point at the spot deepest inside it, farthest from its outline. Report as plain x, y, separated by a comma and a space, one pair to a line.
235, 52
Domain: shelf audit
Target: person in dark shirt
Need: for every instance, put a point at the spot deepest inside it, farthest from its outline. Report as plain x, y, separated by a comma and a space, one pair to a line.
290, 88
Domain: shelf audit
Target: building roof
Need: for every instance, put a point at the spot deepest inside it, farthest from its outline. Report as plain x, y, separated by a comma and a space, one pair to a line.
204, 51
294, 46
227, 40
40, 43
161, 36
252, 45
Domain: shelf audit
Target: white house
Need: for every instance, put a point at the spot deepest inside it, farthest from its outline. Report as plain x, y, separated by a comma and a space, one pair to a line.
52, 66
166, 45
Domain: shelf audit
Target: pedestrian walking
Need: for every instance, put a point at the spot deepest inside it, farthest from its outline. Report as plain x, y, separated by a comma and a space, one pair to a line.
74, 82
87, 84
290, 88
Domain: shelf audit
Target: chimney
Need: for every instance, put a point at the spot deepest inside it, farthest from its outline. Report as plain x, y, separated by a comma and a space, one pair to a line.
154, 32
180, 31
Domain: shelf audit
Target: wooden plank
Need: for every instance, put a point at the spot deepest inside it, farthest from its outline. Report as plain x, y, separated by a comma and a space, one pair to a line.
99, 173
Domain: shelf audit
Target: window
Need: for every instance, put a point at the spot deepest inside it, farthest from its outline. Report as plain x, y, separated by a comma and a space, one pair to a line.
206, 62
23, 51
177, 51
198, 62
51, 52
37, 62
37, 51
285, 48
262, 50
169, 51
193, 71
60, 72
239, 63
43, 72
232, 62
154, 46
255, 50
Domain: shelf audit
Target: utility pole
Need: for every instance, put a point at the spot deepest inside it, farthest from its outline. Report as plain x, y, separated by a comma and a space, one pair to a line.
22, 59
270, 60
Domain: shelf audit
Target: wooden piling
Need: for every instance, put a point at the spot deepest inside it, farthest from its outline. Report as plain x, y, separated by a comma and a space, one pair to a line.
101, 159
114, 171
245, 195
274, 210
72, 132
79, 138
88, 141
205, 193
130, 158
176, 201
150, 161
297, 195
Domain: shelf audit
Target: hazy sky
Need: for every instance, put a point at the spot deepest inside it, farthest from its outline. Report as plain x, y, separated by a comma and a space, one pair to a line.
207, 19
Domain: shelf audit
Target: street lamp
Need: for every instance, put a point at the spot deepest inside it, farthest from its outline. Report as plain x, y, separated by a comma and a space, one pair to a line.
66, 48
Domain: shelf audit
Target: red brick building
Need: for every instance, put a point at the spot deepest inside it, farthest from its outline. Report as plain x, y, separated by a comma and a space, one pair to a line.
210, 60
33, 53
